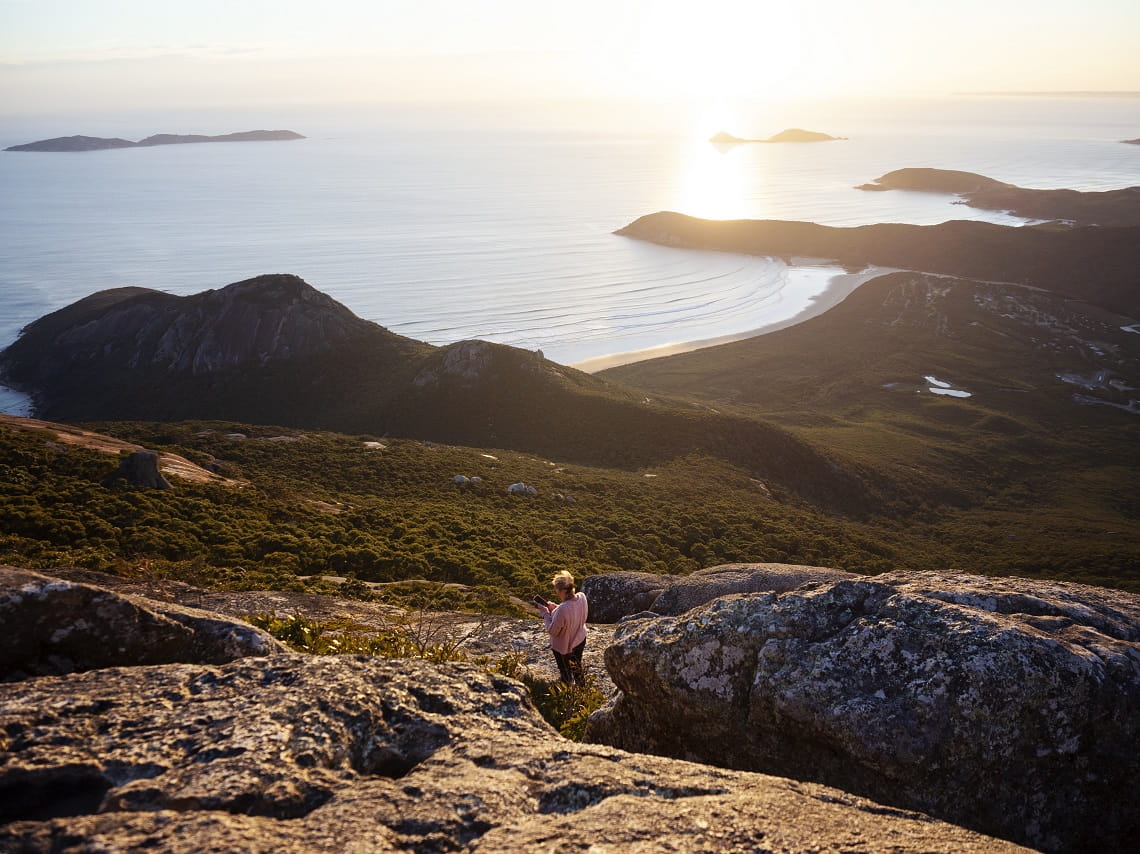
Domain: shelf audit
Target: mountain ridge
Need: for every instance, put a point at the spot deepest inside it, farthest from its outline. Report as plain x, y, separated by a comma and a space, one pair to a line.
274, 350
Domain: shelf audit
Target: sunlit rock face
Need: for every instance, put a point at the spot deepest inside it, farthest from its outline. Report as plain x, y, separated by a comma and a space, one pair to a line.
614, 595
351, 753
298, 753
1005, 705
713, 582
54, 626
466, 363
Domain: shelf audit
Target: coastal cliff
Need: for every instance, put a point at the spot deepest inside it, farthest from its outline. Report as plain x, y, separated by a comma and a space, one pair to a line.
96, 143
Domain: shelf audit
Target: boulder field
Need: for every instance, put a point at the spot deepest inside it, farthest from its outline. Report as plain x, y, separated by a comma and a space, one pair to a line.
1005, 705
287, 752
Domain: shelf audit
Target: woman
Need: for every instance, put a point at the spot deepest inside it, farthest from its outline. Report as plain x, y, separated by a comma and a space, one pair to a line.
566, 624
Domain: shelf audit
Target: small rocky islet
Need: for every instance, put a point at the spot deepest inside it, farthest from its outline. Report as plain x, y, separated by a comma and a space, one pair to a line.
788, 135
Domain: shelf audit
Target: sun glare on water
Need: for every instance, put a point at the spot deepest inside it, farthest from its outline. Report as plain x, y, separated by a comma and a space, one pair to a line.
729, 58
714, 182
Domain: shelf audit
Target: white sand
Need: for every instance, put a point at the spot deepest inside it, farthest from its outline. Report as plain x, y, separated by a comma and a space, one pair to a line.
838, 289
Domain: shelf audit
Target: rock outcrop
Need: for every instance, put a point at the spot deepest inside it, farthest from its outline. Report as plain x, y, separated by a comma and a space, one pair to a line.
271, 349
98, 143
1005, 705
53, 626
618, 594
621, 594
140, 468
68, 435
710, 583
298, 753
255, 322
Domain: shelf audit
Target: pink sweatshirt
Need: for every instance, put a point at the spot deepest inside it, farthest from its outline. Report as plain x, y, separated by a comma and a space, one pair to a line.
567, 623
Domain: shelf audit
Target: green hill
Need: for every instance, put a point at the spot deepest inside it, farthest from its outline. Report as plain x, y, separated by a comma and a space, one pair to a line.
273, 350
376, 509
1046, 446
930, 421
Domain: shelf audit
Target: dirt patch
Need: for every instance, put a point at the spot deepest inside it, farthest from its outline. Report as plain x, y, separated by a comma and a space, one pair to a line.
172, 465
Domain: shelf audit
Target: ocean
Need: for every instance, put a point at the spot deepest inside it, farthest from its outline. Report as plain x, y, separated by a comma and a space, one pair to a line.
495, 221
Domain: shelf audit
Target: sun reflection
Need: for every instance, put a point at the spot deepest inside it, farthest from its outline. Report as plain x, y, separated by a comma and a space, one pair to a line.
715, 182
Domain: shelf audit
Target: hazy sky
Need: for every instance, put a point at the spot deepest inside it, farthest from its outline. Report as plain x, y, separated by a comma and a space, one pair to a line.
65, 55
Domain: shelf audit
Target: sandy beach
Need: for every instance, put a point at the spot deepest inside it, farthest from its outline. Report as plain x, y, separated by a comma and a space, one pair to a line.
838, 289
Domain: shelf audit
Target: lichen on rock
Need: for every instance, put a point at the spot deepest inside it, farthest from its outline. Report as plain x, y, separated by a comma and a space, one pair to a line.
1006, 705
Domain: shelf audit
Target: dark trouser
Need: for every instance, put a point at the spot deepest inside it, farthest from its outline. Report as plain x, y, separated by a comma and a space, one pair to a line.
570, 664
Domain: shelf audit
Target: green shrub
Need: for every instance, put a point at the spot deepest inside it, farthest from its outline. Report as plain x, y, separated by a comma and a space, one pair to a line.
565, 707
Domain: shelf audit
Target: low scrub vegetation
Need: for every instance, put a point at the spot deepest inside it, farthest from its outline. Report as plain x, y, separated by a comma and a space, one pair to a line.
565, 707
379, 512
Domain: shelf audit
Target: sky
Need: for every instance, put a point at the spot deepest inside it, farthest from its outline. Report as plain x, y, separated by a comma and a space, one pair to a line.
59, 56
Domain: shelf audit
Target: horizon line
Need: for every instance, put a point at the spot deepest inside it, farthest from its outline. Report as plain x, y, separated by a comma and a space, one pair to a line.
1084, 93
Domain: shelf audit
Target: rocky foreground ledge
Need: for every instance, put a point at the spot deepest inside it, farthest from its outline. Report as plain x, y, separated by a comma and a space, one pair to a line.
1002, 704
287, 752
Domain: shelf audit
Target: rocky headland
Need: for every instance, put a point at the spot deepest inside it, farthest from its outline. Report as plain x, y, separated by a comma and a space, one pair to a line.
1052, 257
277, 751
789, 135
1106, 208
97, 143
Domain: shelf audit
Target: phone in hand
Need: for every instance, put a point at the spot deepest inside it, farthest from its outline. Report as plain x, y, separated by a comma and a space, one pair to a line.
540, 602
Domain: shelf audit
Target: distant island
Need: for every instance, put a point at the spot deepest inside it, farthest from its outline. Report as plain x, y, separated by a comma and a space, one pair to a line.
98, 143
1131, 141
1105, 208
789, 135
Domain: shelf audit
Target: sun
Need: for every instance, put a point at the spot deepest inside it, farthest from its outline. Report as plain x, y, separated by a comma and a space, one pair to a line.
724, 49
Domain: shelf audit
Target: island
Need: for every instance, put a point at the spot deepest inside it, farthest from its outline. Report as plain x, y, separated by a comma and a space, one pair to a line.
1074, 207
1131, 141
97, 143
789, 135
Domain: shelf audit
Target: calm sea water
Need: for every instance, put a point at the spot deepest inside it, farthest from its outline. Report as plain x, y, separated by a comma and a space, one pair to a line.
496, 223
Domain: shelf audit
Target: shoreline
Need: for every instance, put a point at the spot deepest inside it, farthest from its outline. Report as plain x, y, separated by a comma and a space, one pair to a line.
839, 287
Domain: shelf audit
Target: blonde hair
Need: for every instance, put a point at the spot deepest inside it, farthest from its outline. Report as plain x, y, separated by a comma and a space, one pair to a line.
563, 581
